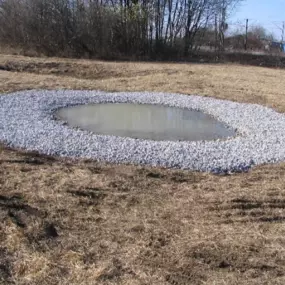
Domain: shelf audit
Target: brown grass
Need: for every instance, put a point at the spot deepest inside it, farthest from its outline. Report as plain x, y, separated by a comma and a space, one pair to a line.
83, 222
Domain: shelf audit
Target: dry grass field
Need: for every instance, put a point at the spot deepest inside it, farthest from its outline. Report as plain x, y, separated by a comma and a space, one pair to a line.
84, 222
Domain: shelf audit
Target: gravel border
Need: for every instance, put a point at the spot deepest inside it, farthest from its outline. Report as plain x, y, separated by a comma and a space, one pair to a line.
27, 121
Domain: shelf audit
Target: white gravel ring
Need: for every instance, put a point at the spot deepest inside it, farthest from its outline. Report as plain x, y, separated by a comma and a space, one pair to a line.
27, 121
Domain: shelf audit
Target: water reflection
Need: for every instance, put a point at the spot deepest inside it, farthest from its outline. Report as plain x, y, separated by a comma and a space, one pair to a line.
143, 121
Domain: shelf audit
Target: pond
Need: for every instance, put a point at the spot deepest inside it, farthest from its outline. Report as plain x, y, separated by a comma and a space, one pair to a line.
145, 121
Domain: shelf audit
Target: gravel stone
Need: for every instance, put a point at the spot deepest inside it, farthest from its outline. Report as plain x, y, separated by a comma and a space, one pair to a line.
27, 121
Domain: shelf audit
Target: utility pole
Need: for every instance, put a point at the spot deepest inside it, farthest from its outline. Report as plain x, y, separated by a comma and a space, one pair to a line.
283, 30
246, 31
223, 26
216, 32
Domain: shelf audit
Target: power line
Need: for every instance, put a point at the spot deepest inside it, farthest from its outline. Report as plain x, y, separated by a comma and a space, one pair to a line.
281, 27
271, 26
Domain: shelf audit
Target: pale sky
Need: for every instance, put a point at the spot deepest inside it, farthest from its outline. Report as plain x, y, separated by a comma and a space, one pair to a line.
268, 13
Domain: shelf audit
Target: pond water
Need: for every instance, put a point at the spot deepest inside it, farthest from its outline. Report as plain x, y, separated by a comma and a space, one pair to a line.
144, 121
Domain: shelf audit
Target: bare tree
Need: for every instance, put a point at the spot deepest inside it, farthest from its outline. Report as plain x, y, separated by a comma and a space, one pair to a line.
111, 27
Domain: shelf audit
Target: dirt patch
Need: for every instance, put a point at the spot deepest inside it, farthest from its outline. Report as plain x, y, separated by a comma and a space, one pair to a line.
72, 68
97, 71
5, 266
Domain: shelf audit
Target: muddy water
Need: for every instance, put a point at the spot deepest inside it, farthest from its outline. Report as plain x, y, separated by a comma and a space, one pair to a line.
154, 122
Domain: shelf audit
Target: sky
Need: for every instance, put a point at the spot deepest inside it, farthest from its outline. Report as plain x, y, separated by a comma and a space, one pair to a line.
268, 13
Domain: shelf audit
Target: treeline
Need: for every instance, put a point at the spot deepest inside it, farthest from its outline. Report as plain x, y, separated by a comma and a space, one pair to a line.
113, 28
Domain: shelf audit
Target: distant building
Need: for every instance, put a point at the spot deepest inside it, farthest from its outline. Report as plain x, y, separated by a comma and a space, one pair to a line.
273, 46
